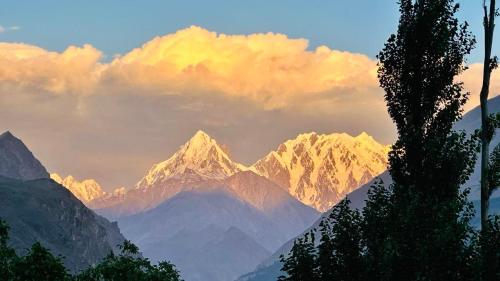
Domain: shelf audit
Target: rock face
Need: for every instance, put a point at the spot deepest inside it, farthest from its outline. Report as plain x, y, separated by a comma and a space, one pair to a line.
319, 170
17, 162
42, 210
212, 217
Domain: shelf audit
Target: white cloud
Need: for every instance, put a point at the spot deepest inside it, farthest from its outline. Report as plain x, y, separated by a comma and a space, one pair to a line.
10, 28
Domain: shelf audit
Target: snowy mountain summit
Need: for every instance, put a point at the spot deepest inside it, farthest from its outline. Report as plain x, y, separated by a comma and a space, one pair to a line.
86, 190
319, 170
201, 158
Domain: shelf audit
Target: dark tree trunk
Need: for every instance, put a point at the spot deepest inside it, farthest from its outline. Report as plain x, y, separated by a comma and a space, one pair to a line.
489, 26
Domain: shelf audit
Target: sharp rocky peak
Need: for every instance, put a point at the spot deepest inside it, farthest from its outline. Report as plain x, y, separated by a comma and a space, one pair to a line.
7, 135
200, 157
17, 161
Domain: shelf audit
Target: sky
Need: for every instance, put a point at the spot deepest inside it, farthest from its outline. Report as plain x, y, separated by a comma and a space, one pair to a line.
105, 89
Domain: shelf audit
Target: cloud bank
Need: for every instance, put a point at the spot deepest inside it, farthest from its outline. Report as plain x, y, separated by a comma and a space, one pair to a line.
270, 69
27, 67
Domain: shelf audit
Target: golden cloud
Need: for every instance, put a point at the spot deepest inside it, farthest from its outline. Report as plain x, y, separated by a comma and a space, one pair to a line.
75, 70
270, 69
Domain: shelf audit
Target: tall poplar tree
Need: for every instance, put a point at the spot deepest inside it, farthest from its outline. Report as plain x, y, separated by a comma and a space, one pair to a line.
429, 161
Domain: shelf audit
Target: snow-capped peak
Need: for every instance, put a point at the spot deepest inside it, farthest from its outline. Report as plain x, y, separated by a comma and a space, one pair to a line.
200, 157
86, 190
320, 169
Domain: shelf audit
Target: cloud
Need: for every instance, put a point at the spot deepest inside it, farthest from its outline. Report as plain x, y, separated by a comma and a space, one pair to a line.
10, 28
271, 69
268, 69
75, 70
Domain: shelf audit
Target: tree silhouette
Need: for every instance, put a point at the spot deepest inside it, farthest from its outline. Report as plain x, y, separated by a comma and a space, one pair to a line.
300, 264
339, 252
429, 162
487, 126
7, 255
40, 265
129, 266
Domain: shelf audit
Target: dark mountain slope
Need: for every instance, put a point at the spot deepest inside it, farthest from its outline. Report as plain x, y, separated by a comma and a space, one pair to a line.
17, 162
38, 209
42, 210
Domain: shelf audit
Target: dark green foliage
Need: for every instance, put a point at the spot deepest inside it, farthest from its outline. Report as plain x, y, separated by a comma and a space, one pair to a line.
375, 227
7, 255
339, 251
489, 247
129, 266
338, 255
40, 265
300, 264
37, 265
325, 259
494, 170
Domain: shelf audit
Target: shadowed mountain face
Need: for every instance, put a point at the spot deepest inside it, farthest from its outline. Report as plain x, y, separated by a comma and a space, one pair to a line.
220, 229
44, 211
17, 162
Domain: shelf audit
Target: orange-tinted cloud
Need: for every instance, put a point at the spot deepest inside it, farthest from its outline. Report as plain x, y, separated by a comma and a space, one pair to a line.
270, 69
75, 70
267, 68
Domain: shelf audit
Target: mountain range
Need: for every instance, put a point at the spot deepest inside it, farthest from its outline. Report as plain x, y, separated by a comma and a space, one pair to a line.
212, 217
316, 169
193, 207
37, 208
89, 191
